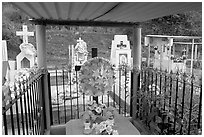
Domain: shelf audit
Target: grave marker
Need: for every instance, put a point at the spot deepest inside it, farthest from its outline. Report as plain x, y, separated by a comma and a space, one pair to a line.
25, 34
27, 57
121, 55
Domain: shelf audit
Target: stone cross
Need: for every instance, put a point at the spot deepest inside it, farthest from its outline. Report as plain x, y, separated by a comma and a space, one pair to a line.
25, 34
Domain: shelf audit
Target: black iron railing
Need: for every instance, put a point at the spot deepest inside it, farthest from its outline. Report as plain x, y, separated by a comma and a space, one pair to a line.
68, 103
24, 113
170, 103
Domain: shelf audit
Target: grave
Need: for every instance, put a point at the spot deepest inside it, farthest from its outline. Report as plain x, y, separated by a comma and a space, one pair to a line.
164, 58
27, 57
121, 55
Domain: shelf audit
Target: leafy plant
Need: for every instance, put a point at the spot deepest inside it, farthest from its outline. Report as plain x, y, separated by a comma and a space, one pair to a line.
166, 109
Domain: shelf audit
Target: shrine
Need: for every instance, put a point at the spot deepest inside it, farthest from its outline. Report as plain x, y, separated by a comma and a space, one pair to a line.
121, 59
27, 57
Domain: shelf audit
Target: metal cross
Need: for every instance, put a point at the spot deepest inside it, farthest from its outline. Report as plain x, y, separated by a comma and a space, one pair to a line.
121, 45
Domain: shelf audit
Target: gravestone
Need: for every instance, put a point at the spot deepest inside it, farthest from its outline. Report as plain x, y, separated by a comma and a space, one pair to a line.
80, 53
120, 51
121, 55
27, 57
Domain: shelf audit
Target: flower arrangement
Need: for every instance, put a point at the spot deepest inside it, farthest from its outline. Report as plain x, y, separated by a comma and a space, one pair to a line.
96, 77
95, 115
95, 108
105, 128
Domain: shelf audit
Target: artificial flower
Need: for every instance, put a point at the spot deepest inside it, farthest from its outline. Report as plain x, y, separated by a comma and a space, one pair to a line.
96, 77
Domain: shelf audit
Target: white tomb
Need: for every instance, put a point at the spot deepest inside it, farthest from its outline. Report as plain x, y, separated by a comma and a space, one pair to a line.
164, 48
80, 53
27, 57
121, 55
120, 51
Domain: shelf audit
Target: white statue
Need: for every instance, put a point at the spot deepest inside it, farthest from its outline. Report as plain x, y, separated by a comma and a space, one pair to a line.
81, 52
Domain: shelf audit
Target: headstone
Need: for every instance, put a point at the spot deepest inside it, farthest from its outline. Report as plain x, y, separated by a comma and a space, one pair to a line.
121, 55
120, 50
80, 52
27, 57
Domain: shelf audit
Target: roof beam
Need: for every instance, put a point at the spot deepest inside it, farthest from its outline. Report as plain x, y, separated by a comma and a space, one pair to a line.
82, 23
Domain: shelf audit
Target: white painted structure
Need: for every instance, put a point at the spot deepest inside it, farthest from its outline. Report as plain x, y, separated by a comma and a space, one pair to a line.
165, 49
80, 53
25, 34
121, 55
27, 57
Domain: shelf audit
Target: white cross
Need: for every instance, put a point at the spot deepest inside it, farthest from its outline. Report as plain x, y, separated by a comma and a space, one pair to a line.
25, 34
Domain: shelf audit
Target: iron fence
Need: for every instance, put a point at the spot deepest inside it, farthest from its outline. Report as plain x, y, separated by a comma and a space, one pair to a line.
170, 103
23, 107
67, 102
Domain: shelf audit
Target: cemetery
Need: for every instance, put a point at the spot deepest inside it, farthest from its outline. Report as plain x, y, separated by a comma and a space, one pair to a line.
90, 94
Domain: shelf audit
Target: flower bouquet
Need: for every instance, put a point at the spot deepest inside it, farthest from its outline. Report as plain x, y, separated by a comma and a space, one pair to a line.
105, 128
97, 109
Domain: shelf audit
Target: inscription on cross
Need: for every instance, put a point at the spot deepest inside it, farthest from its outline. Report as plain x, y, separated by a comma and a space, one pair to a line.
121, 46
25, 34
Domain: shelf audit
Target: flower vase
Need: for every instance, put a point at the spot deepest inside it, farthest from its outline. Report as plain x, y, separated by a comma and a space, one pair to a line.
87, 129
87, 125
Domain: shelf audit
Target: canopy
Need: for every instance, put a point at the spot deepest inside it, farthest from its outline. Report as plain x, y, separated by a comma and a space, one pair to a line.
101, 13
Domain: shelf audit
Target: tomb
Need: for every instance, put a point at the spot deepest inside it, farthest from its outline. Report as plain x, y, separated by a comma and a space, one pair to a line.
120, 51
27, 57
121, 56
164, 56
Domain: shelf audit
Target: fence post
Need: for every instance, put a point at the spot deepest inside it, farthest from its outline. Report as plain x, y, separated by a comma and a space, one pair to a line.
41, 111
131, 96
95, 54
49, 97
45, 102
136, 52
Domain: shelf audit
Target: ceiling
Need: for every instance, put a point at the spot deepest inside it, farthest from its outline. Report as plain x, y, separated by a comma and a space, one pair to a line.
102, 13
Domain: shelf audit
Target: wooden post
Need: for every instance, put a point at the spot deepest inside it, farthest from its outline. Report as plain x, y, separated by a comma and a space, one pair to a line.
41, 60
136, 52
95, 54
192, 56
